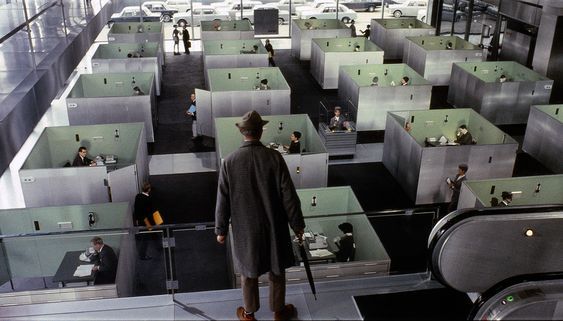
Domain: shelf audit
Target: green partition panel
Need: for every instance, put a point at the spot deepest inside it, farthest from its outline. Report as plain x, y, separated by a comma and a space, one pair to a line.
388, 74
133, 27
58, 145
329, 200
111, 84
445, 122
232, 47
441, 43
345, 44
307, 24
228, 137
243, 79
531, 190
120, 50
555, 111
404, 23
490, 71
233, 25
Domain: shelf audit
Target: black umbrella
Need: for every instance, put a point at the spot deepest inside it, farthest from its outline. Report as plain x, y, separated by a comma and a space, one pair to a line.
305, 259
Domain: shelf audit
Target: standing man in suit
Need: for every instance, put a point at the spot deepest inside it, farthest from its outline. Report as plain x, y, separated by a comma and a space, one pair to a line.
81, 158
346, 245
455, 186
105, 264
143, 210
353, 32
186, 39
192, 112
337, 122
256, 195
270, 51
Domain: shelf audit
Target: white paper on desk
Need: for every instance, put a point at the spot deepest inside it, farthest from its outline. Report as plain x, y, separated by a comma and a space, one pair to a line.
320, 253
83, 270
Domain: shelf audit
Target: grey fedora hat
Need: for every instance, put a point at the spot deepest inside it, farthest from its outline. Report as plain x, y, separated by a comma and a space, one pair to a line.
251, 120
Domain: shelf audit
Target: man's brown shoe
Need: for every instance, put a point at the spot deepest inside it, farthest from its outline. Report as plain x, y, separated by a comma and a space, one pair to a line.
287, 313
243, 316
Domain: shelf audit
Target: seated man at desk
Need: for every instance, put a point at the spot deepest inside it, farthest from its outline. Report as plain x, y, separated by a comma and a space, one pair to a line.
251, 51
375, 81
263, 85
295, 146
405, 81
137, 91
463, 136
346, 245
81, 159
337, 122
105, 263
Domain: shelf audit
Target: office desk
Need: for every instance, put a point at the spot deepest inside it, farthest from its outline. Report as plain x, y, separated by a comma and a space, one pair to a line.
66, 270
312, 259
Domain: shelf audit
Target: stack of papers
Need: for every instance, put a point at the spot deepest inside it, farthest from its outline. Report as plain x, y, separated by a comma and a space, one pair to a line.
320, 253
83, 270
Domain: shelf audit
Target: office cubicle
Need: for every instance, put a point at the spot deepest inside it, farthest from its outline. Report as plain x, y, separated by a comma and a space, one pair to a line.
304, 30
233, 92
390, 34
130, 57
373, 100
110, 98
529, 190
36, 240
477, 85
433, 56
47, 180
543, 136
307, 169
233, 54
328, 54
421, 164
334, 206
136, 32
230, 30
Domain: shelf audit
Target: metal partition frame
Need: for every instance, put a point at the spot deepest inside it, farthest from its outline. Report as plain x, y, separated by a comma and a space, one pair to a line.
128, 32
543, 136
390, 34
230, 30
302, 35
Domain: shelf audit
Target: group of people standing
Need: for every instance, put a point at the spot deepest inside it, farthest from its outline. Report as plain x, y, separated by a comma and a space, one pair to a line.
185, 39
365, 33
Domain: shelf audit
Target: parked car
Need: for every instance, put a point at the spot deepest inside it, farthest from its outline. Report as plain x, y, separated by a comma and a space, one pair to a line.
284, 4
166, 13
246, 5
362, 5
312, 6
328, 11
200, 13
407, 9
134, 13
283, 15
181, 5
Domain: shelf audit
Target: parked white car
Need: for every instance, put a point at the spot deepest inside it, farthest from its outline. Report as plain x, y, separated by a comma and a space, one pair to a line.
133, 13
166, 13
200, 13
283, 15
247, 5
328, 11
312, 6
284, 5
407, 9
182, 5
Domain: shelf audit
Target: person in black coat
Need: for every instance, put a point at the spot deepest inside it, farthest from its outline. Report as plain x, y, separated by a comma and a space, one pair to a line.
143, 210
81, 159
506, 199
270, 51
337, 122
346, 245
186, 40
455, 186
295, 146
464, 136
105, 263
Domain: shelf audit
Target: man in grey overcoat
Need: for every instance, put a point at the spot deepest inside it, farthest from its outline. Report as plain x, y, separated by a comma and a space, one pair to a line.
257, 195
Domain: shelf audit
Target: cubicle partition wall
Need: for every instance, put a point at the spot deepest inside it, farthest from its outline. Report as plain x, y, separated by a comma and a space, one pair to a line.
230, 30
109, 98
334, 206
432, 56
47, 181
233, 54
33, 260
477, 85
530, 190
304, 30
543, 136
307, 169
232, 92
135, 32
328, 54
390, 34
144, 57
421, 169
356, 86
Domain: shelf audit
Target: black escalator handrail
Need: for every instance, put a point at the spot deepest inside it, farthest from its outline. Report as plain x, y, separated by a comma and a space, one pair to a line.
463, 214
505, 284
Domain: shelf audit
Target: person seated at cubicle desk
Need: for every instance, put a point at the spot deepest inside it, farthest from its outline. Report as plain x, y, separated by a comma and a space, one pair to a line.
137, 91
105, 263
502, 79
263, 85
251, 51
346, 245
463, 136
81, 158
506, 199
375, 81
295, 146
449, 45
134, 54
337, 122
357, 48
405, 81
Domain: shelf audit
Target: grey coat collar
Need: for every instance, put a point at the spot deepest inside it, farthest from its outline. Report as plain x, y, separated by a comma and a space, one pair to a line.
251, 143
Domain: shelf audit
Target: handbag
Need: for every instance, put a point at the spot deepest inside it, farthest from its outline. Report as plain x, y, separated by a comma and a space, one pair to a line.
157, 218
189, 44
